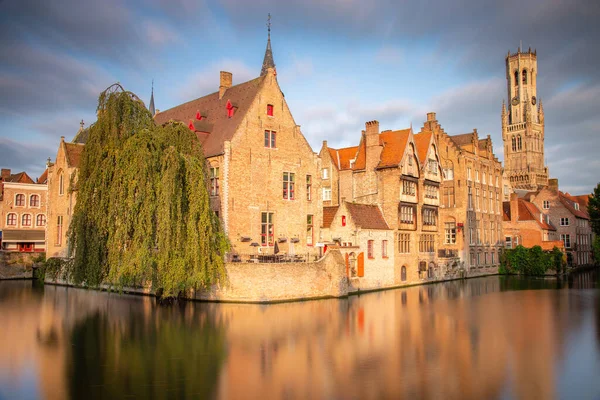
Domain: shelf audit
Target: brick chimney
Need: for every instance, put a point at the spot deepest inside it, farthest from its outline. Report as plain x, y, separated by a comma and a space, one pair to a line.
553, 184
431, 117
5, 174
514, 207
324, 144
224, 83
372, 133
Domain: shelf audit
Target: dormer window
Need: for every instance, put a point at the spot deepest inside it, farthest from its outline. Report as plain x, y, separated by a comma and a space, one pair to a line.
270, 110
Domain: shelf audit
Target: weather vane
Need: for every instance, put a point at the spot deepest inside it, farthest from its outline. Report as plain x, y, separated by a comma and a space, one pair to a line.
269, 23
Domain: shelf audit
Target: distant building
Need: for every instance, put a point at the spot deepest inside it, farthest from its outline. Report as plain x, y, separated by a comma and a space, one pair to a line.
22, 212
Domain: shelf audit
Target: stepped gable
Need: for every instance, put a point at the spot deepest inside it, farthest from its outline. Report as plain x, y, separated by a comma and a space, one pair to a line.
463, 139
394, 143
218, 127
422, 141
329, 215
367, 216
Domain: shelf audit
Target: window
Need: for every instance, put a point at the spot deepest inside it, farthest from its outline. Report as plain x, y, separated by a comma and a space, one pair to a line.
546, 205
433, 166
431, 192
477, 198
11, 219
484, 205
61, 184
470, 198
271, 139
448, 199
524, 77
34, 200
492, 232
408, 187
497, 182
26, 220
485, 258
483, 177
267, 232
429, 217
471, 237
309, 230
384, 253
289, 183
508, 242
469, 173
270, 110
20, 200
519, 143
514, 143
59, 225
404, 243
214, 181
308, 187
491, 182
491, 210
325, 173
564, 221
448, 174
326, 194
566, 239
472, 259
40, 220
516, 78
478, 258
407, 214
576, 206
476, 175
450, 233
493, 258
427, 243
370, 249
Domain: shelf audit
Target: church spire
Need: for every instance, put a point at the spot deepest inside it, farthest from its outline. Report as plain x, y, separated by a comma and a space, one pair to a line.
151, 108
268, 60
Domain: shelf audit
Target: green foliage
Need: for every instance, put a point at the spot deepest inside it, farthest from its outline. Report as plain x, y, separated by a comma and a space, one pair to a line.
54, 268
40, 258
594, 210
533, 261
143, 212
596, 250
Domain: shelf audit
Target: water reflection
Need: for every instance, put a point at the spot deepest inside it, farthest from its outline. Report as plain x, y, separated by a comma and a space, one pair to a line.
482, 338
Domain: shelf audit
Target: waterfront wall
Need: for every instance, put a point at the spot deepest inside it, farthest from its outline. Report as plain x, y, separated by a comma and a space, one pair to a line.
16, 265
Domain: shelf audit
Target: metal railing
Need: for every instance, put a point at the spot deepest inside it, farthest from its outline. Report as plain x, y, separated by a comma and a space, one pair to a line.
269, 258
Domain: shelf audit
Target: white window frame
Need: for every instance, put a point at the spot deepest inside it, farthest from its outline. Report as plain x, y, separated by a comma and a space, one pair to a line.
326, 194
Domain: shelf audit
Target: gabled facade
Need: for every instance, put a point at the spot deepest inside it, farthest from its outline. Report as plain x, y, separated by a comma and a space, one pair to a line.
470, 199
336, 169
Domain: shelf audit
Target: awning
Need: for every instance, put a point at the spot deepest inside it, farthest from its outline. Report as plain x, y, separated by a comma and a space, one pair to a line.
23, 235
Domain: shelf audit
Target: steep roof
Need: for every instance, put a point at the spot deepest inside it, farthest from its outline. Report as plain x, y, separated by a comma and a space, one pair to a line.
329, 215
367, 216
394, 143
583, 200
422, 141
569, 202
222, 128
73, 153
44, 177
463, 139
20, 177
361, 155
527, 212
342, 157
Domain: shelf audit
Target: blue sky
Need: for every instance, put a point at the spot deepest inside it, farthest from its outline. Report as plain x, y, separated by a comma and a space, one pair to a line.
340, 63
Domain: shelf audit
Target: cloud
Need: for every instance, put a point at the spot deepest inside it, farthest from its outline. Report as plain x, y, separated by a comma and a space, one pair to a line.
389, 55
25, 156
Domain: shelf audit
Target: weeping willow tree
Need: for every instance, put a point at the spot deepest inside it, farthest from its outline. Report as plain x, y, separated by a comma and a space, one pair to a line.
142, 212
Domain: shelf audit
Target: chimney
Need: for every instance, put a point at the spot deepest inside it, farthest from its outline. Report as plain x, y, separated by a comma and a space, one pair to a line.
431, 116
553, 184
324, 144
372, 133
514, 207
225, 83
5, 174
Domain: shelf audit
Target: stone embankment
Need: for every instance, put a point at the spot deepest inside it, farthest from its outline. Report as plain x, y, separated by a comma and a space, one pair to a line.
17, 265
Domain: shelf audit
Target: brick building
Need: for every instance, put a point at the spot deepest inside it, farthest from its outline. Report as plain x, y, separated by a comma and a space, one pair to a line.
62, 195
263, 173
22, 212
470, 205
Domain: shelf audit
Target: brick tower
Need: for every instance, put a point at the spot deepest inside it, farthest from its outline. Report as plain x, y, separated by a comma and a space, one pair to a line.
523, 124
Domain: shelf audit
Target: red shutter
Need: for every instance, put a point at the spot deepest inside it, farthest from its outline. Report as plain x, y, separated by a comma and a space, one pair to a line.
361, 264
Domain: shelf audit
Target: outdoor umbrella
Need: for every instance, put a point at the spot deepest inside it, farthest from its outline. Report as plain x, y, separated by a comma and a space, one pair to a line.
276, 249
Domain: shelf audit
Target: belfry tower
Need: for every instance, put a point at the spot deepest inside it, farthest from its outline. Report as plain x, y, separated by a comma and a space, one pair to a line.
523, 124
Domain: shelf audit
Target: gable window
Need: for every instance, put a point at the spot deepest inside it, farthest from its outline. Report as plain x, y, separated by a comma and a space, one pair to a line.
409, 187
20, 200
566, 239
326, 194
267, 231
433, 166
546, 205
214, 181
271, 139
289, 185
308, 187
26, 220
384, 253
34, 200
404, 243
40, 220
564, 221
11, 219
270, 110
370, 249
448, 174
325, 173
59, 225
450, 233
309, 230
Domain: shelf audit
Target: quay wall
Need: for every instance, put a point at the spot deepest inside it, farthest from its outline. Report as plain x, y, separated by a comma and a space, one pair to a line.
17, 265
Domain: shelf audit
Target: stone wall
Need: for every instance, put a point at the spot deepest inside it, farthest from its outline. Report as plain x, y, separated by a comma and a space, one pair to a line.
16, 265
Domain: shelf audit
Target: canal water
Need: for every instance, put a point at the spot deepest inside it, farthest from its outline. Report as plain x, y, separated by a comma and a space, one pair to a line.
484, 338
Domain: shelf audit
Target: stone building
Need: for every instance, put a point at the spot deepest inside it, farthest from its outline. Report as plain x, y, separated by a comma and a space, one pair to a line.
523, 124
263, 173
22, 212
524, 224
62, 195
364, 238
570, 217
470, 199
335, 171
400, 172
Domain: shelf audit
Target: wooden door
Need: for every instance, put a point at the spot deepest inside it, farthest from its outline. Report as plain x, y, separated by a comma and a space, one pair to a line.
361, 264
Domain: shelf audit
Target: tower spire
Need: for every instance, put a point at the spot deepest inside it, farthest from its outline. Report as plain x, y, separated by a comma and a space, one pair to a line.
151, 107
268, 60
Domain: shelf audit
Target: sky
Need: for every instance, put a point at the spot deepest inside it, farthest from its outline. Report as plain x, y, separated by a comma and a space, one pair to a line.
339, 63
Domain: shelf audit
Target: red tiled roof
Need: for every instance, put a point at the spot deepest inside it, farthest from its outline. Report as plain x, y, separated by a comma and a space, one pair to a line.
44, 177
569, 204
367, 216
506, 211
73, 153
583, 200
422, 141
329, 215
20, 177
223, 127
361, 155
527, 212
394, 143
341, 157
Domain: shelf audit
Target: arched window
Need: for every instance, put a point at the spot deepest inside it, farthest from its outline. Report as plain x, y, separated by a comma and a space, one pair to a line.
514, 144
403, 273
20, 200
516, 78
524, 77
519, 143
11, 219
61, 183
26, 220
34, 200
40, 220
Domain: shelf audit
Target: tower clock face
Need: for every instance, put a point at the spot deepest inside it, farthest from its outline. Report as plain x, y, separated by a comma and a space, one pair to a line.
533, 100
515, 101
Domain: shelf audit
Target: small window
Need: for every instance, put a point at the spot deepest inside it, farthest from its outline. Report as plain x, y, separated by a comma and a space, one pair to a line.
34, 200
325, 173
270, 139
40, 220
370, 249
326, 194
508, 242
384, 253
309, 230
267, 232
26, 220
289, 185
214, 181
564, 221
20, 200
270, 110
546, 205
11, 219
308, 187
61, 184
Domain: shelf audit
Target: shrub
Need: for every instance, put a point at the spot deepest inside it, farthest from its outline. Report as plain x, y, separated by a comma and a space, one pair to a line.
533, 261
